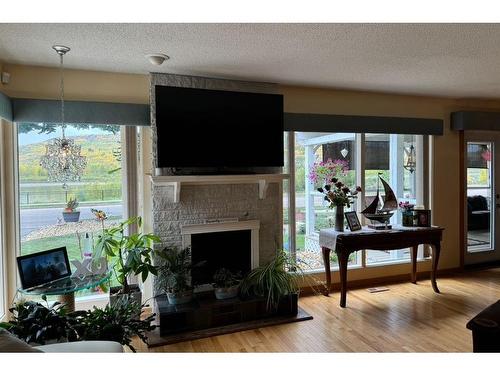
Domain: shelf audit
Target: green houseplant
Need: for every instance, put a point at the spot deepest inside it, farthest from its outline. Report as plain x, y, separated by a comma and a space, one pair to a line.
174, 275
37, 323
129, 254
70, 213
277, 281
226, 283
116, 322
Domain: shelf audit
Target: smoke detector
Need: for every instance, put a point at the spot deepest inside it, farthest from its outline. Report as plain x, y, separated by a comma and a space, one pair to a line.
157, 58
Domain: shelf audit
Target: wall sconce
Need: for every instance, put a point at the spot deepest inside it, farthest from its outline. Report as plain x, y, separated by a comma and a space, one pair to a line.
410, 162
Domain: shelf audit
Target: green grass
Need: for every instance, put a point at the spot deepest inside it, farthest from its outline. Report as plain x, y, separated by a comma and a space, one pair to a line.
35, 246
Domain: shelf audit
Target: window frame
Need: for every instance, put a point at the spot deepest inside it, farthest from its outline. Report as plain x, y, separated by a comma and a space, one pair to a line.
128, 139
423, 195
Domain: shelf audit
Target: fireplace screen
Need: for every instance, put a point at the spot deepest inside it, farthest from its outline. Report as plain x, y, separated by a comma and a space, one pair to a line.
230, 250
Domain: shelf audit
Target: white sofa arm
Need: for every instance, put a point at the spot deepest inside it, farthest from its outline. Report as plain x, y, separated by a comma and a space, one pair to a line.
83, 347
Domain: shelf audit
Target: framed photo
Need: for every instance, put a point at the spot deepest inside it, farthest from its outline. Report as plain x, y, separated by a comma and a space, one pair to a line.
423, 218
352, 220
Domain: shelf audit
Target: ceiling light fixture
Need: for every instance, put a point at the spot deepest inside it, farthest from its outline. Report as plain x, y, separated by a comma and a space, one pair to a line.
62, 157
410, 159
157, 58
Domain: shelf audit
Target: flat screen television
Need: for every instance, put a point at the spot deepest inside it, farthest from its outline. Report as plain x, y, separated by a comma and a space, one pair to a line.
218, 129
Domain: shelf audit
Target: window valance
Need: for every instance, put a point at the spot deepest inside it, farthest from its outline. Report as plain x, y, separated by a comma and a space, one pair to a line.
312, 122
80, 112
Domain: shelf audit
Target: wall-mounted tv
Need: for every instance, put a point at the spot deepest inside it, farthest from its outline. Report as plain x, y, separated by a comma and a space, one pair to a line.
218, 129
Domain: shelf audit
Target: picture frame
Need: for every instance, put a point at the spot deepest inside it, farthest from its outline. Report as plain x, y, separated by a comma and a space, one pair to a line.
423, 218
353, 221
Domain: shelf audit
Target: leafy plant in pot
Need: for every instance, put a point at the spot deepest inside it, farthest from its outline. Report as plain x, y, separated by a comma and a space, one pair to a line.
129, 254
277, 281
118, 322
37, 323
70, 214
174, 275
226, 283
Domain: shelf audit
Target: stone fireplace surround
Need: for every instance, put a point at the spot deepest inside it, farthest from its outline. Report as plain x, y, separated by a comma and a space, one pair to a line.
200, 203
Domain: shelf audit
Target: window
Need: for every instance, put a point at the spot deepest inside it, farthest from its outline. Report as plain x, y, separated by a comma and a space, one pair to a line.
383, 154
3, 283
42, 223
480, 216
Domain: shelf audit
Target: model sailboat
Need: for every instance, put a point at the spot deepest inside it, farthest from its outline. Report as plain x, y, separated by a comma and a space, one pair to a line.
381, 210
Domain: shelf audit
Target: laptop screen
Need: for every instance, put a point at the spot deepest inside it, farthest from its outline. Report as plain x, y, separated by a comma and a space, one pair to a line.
43, 267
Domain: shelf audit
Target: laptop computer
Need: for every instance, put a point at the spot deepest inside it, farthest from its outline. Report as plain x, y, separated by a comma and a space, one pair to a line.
43, 268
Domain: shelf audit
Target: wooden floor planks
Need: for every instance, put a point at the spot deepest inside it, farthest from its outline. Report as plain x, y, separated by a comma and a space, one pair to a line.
407, 318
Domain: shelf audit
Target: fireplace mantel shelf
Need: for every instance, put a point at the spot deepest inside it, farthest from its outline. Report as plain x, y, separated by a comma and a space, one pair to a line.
263, 180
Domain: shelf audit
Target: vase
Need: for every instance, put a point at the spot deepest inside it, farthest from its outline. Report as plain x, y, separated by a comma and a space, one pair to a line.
407, 216
339, 218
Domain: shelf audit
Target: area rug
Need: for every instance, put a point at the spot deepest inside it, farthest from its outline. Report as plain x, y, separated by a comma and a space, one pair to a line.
154, 338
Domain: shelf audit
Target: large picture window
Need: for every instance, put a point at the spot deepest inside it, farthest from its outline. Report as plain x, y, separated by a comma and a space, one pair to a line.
364, 157
43, 221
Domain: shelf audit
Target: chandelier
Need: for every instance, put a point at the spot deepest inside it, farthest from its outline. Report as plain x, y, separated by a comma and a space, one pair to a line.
62, 158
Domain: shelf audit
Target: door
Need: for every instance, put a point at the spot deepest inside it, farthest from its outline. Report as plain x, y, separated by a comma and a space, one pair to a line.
482, 197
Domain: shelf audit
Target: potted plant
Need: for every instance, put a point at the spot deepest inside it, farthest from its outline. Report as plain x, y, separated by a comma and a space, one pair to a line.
226, 283
407, 213
175, 275
128, 254
70, 214
37, 323
338, 195
277, 281
118, 322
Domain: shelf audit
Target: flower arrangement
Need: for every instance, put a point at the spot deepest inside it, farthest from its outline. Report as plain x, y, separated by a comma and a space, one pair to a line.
338, 194
406, 206
323, 171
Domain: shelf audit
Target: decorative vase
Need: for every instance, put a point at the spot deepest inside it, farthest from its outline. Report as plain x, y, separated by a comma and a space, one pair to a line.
407, 218
339, 218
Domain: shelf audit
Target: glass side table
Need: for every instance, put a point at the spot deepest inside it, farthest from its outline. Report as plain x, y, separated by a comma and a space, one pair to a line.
65, 288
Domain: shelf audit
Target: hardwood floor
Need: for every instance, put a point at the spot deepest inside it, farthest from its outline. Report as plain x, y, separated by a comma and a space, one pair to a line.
407, 318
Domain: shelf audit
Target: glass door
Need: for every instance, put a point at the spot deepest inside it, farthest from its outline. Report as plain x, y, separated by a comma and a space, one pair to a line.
482, 197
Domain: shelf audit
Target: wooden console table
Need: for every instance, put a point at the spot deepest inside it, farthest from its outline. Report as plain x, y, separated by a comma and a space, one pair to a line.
346, 243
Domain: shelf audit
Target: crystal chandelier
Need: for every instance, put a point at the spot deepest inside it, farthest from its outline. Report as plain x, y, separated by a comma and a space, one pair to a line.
62, 158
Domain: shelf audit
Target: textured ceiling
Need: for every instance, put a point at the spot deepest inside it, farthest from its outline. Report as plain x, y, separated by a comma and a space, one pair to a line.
454, 60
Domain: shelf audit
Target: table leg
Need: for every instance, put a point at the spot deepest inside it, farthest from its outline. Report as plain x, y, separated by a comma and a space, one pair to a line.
343, 260
68, 300
414, 251
328, 274
436, 249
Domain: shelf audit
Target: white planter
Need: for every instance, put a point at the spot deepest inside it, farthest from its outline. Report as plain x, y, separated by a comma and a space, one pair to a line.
226, 293
135, 295
180, 297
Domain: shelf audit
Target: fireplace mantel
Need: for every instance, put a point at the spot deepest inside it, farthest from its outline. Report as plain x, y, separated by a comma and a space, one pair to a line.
177, 182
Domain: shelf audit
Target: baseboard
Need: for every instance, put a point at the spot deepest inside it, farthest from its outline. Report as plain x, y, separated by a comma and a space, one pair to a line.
392, 279
482, 266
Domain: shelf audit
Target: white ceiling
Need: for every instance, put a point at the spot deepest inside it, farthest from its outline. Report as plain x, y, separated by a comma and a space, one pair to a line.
454, 60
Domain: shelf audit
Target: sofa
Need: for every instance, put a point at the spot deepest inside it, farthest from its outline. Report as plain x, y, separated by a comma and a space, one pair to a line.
11, 344
478, 213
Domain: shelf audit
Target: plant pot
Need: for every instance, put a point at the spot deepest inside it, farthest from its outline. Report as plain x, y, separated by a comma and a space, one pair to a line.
178, 298
71, 217
407, 218
135, 294
226, 293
